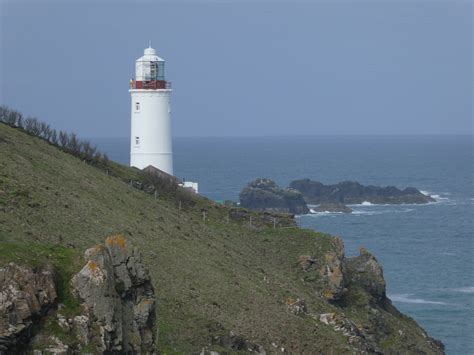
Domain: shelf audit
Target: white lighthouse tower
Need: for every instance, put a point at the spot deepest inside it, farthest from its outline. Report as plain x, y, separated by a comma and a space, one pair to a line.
151, 125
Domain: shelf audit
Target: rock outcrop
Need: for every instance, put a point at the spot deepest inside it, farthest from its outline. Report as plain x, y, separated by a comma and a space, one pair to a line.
330, 271
26, 294
266, 195
118, 298
365, 271
333, 272
351, 192
362, 312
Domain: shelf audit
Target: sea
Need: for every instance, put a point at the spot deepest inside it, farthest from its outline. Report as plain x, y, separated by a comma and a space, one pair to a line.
426, 250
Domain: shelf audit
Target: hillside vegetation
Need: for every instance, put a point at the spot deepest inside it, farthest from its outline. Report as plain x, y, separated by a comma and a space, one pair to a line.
211, 277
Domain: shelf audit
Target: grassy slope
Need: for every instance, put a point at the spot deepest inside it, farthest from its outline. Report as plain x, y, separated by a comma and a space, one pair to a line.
204, 273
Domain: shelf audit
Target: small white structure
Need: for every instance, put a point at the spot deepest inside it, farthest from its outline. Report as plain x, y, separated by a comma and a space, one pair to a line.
193, 186
150, 142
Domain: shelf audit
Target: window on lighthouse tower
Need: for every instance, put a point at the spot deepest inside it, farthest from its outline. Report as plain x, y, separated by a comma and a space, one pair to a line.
137, 106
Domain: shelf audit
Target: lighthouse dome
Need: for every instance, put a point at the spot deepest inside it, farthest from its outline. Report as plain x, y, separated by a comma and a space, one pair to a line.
149, 55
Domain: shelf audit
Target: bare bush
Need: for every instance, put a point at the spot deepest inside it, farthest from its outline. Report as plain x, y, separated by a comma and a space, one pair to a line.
67, 142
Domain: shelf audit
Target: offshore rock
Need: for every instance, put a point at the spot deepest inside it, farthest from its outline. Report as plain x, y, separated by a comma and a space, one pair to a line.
116, 293
26, 294
351, 192
266, 195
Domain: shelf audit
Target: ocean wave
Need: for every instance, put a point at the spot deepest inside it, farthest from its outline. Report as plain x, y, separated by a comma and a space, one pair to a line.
367, 213
447, 253
405, 298
439, 197
356, 212
468, 289
321, 213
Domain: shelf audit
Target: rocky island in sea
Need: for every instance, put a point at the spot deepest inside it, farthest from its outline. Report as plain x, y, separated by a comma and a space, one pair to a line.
265, 195
353, 193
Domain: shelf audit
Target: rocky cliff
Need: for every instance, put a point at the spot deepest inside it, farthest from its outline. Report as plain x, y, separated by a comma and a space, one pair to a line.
351, 192
353, 284
266, 195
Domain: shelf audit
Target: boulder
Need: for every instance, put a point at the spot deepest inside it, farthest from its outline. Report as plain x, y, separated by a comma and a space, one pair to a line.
297, 307
266, 195
116, 292
26, 294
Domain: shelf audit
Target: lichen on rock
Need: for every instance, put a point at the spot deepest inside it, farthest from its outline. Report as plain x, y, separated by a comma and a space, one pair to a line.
116, 291
333, 271
365, 271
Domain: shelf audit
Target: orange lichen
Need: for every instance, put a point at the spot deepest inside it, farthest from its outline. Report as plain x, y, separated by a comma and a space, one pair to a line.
116, 240
328, 294
92, 265
290, 302
145, 302
336, 274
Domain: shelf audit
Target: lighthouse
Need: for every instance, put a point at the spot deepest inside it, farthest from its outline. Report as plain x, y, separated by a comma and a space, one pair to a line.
150, 142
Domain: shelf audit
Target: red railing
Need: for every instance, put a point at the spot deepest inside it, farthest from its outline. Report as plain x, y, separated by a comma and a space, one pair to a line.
150, 85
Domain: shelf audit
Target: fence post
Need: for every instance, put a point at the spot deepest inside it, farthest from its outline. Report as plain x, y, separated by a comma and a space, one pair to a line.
274, 222
179, 206
156, 194
204, 216
250, 223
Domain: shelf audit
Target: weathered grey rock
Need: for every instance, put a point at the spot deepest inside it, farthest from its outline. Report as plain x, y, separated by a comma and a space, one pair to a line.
365, 271
333, 271
297, 306
116, 292
57, 347
81, 326
25, 294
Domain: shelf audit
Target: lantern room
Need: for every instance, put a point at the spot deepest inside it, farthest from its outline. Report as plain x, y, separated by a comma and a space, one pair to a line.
149, 72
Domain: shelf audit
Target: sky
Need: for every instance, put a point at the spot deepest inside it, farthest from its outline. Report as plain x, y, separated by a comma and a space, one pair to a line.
241, 68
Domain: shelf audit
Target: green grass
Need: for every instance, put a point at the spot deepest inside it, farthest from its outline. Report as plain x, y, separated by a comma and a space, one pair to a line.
53, 207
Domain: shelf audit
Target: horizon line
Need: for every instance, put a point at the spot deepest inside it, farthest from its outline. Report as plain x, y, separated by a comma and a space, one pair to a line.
306, 135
